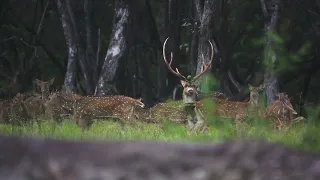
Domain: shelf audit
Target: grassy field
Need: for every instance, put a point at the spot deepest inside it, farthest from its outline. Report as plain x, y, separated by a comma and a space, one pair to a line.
301, 135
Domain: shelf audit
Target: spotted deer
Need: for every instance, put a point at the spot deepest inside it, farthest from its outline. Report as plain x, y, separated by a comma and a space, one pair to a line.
190, 92
236, 110
281, 112
59, 104
17, 111
118, 106
44, 87
175, 111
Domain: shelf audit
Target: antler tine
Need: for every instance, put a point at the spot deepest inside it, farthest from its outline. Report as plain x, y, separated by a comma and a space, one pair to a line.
205, 67
177, 73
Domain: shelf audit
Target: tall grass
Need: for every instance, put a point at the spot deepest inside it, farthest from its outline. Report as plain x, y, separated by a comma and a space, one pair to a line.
301, 135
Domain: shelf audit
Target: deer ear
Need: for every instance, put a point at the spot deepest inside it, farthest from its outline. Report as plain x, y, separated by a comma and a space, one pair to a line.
250, 87
183, 83
51, 81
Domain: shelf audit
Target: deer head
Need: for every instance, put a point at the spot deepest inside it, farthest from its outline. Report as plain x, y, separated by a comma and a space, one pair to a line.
190, 92
18, 99
44, 87
254, 93
60, 103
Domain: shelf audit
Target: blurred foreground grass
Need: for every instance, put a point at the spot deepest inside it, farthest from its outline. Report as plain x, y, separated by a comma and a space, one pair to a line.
301, 135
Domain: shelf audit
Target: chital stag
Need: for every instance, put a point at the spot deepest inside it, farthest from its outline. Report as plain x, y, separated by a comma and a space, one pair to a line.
119, 107
44, 87
190, 93
238, 111
281, 112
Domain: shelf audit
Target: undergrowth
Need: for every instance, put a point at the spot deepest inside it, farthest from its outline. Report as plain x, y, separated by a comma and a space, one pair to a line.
301, 135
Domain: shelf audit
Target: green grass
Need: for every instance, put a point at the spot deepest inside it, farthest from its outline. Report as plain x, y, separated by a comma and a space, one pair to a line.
301, 135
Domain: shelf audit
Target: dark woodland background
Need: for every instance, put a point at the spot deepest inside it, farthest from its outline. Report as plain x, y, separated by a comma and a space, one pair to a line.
106, 47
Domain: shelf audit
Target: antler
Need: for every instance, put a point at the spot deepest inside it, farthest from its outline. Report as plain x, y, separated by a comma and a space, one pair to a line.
205, 67
177, 73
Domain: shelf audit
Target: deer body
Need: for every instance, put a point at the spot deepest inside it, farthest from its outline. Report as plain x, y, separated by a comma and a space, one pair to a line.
34, 106
173, 111
238, 111
281, 112
59, 104
18, 113
120, 107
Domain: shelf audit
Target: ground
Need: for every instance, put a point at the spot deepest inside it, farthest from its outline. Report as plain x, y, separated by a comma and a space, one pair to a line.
301, 135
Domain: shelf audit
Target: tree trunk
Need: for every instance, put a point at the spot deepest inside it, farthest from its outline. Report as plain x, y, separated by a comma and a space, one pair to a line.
117, 47
70, 77
162, 74
173, 29
197, 12
90, 55
81, 55
270, 10
206, 32
145, 41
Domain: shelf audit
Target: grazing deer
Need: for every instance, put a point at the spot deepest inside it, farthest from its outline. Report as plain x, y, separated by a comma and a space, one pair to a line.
172, 111
281, 112
176, 111
44, 87
37, 159
228, 109
59, 104
17, 111
119, 107
35, 106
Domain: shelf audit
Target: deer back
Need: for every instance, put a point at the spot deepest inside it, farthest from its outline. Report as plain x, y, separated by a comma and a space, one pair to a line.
101, 106
172, 111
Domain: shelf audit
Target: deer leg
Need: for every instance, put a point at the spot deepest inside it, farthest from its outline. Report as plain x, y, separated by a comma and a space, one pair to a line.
298, 119
200, 124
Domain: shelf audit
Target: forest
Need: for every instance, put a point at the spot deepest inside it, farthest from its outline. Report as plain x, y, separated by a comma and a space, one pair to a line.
171, 89
104, 48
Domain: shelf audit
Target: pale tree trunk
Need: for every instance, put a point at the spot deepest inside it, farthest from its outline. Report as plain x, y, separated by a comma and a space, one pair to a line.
116, 51
206, 11
81, 55
75, 49
70, 77
270, 10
